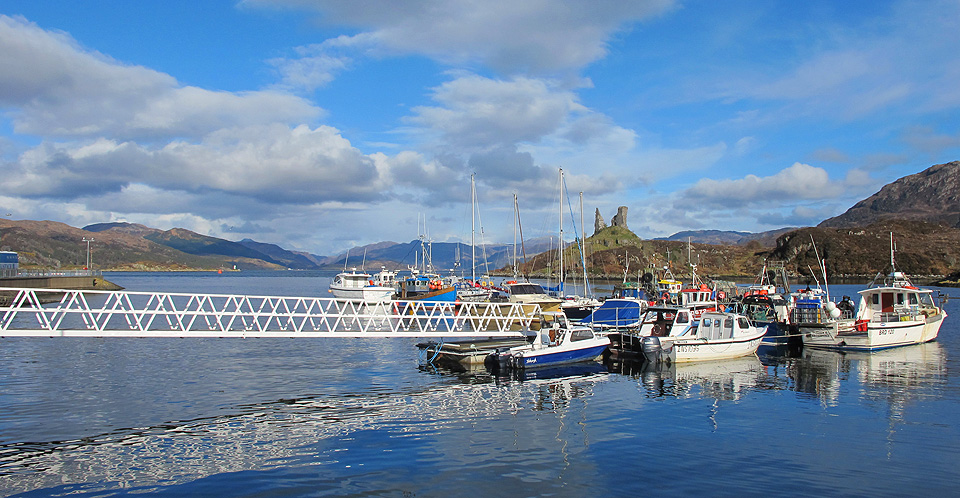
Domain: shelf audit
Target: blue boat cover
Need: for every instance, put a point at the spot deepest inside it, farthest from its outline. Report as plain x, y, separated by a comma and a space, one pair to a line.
615, 313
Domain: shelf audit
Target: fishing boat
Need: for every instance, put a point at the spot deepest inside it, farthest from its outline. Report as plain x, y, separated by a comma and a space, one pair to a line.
425, 286
557, 342
892, 312
767, 303
673, 334
359, 286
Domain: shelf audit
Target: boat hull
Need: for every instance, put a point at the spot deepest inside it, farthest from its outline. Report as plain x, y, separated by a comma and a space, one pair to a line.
547, 357
844, 334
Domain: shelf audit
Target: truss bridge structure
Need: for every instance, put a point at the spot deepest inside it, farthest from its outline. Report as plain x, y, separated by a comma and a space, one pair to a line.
32, 312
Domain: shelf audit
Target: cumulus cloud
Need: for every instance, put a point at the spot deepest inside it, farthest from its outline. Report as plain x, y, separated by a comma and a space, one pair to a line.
478, 112
73, 92
799, 181
273, 163
536, 37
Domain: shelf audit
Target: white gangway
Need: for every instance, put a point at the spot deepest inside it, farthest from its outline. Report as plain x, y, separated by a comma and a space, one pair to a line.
88, 313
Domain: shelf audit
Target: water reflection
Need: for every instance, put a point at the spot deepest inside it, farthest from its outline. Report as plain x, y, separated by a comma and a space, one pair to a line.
893, 375
722, 379
300, 431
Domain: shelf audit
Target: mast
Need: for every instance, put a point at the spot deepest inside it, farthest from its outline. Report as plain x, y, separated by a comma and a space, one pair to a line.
560, 242
516, 222
473, 229
583, 248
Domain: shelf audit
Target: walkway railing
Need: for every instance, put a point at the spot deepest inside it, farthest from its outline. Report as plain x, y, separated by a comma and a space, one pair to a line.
77, 313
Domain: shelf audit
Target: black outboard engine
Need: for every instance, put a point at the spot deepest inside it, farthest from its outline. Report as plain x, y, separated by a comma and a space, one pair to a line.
651, 348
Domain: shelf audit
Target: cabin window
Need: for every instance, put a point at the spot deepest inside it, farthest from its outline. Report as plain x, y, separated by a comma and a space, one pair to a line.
899, 298
926, 299
706, 322
728, 323
876, 299
682, 318
912, 299
580, 335
744, 324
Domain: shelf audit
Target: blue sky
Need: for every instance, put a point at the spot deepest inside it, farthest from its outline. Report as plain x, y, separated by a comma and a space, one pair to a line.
320, 125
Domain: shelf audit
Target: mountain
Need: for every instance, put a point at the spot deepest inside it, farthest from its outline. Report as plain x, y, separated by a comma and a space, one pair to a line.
444, 255
923, 249
728, 237
932, 195
51, 244
290, 259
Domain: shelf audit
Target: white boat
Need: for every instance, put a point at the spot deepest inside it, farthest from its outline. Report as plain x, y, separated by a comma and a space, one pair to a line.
530, 293
890, 314
894, 313
360, 286
557, 342
674, 334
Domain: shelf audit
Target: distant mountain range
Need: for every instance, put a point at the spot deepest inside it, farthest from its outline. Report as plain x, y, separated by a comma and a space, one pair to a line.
722, 237
923, 208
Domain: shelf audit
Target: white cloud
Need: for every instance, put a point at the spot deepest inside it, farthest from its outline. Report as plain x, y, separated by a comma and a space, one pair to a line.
477, 112
273, 163
73, 92
536, 36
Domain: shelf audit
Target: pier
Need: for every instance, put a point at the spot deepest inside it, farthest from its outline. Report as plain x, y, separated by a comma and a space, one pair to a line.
98, 313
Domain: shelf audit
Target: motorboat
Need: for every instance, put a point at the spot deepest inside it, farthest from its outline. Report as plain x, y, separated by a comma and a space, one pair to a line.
530, 293
360, 286
892, 312
557, 342
673, 334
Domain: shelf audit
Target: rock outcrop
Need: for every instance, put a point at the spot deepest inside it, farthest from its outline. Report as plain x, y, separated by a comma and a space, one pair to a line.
598, 223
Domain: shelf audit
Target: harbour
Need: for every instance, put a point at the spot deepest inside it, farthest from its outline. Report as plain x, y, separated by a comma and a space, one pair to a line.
347, 416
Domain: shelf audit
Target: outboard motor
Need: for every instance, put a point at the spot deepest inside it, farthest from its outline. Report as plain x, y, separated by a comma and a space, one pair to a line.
651, 348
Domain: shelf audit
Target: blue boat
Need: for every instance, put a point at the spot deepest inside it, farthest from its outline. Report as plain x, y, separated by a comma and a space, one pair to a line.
616, 314
557, 342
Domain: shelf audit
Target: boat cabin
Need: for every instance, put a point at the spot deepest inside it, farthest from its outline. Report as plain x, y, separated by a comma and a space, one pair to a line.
666, 321
351, 280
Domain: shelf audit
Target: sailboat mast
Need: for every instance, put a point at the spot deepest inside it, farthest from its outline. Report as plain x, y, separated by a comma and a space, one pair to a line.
473, 229
583, 248
516, 223
560, 243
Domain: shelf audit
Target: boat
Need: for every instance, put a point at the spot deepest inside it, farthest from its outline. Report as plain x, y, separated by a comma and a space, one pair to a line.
557, 342
767, 303
529, 293
891, 313
675, 334
425, 287
616, 315
359, 286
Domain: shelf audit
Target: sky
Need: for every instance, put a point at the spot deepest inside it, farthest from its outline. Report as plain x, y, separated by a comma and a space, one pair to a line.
320, 125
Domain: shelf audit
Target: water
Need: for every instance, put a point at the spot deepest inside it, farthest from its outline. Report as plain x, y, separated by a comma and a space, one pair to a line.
351, 417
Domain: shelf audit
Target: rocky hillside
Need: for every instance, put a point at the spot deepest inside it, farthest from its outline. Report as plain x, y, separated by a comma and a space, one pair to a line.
933, 196
922, 249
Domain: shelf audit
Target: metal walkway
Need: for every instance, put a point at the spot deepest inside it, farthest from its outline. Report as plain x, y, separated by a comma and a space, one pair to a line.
75, 313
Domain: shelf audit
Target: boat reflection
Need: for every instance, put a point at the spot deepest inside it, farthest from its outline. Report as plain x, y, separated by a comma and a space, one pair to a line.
720, 379
895, 374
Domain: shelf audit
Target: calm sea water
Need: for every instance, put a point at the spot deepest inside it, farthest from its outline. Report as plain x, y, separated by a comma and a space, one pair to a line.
355, 417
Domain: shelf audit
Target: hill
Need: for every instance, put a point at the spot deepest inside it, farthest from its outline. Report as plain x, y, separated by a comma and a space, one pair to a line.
932, 195
923, 249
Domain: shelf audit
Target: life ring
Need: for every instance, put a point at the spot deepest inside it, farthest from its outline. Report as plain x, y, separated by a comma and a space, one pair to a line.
665, 296
721, 295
